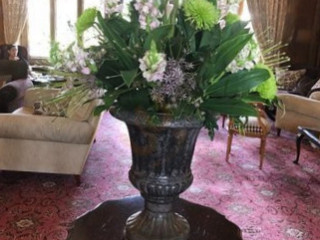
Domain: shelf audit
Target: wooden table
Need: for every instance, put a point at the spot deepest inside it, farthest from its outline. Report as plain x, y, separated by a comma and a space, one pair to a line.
106, 222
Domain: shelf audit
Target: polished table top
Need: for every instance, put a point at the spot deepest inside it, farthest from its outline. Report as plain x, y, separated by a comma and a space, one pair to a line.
107, 221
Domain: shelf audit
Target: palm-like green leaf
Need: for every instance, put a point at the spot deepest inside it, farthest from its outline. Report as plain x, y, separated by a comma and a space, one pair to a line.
129, 76
231, 107
159, 34
117, 42
225, 53
211, 39
233, 30
237, 83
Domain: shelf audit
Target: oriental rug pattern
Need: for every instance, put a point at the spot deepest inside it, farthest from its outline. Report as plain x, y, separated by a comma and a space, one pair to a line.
281, 202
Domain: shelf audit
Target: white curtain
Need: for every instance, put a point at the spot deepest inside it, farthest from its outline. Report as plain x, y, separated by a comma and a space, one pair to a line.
14, 19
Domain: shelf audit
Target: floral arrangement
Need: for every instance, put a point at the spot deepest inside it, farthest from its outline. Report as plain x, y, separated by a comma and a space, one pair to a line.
181, 57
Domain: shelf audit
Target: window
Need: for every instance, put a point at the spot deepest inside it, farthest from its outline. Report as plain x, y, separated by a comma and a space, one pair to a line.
66, 16
89, 37
245, 16
53, 20
39, 27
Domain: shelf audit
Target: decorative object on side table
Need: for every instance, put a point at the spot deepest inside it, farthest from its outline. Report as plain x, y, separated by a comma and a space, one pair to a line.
167, 68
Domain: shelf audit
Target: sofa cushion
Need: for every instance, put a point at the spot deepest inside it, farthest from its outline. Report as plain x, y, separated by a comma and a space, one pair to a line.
315, 95
287, 79
20, 125
303, 86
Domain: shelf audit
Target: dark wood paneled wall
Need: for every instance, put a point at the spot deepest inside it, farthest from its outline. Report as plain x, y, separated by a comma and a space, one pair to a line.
304, 35
1, 25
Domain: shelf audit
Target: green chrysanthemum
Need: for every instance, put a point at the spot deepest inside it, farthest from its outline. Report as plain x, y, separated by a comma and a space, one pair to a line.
268, 88
203, 14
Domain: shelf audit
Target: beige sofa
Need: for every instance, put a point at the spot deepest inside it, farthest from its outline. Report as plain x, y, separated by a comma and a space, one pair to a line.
47, 144
298, 111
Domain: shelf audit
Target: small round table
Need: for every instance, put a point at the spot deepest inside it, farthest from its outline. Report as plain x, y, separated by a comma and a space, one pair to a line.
107, 221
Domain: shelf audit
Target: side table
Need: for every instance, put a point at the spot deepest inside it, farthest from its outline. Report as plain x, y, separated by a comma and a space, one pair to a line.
310, 134
107, 221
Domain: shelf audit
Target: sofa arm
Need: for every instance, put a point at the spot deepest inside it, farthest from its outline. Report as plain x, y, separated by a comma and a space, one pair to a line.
297, 111
21, 86
39, 94
299, 104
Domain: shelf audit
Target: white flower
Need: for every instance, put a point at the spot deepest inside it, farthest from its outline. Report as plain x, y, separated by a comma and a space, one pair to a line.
153, 66
148, 14
169, 9
85, 71
248, 65
113, 6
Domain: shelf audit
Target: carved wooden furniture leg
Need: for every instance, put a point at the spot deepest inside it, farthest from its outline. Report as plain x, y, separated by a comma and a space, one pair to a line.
230, 136
300, 136
262, 151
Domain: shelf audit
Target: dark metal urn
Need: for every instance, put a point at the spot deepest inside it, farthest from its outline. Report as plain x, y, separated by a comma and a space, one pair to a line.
161, 160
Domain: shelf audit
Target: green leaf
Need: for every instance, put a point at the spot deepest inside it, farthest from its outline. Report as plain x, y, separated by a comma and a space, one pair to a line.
227, 51
158, 34
254, 98
210, 39
107, 71
224, 55
129, 76
86, 20
121, 26
233, 30
99, 109
135, 99
231, 107
117, 42
237, 83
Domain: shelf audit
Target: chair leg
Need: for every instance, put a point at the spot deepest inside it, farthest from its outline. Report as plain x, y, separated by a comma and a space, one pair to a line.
278, 132
223, 120
298, 144
230, 136
262, 151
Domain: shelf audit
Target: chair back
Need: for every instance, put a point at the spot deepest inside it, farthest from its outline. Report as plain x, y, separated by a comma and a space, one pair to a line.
15, 69
22, 52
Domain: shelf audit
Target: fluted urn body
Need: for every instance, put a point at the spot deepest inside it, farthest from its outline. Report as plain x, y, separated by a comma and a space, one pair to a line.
162, 151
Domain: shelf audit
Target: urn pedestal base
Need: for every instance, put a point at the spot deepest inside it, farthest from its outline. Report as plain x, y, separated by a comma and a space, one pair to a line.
108, 220
146, 225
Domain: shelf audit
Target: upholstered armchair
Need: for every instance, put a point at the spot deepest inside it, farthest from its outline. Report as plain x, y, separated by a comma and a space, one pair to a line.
45, 143
22, 52
297, 111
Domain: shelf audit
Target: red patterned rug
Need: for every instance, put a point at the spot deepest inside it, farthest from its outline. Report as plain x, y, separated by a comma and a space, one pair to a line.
281, 202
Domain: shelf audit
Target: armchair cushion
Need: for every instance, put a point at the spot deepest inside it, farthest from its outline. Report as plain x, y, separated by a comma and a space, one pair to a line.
304, 86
